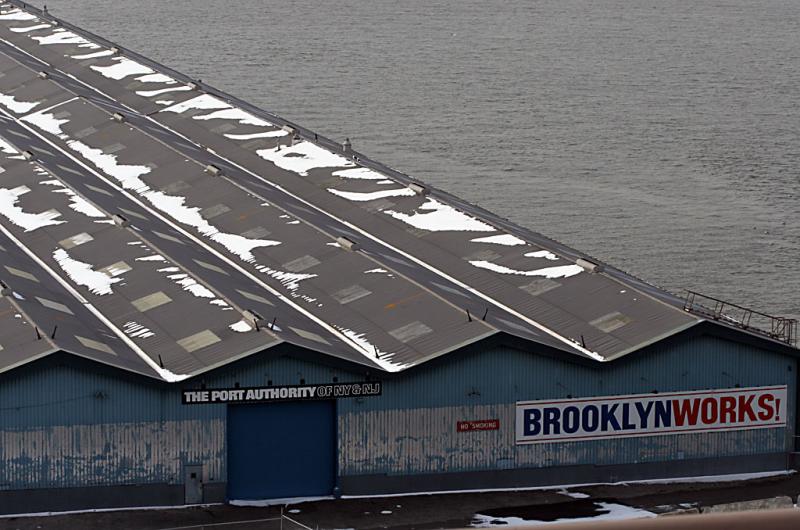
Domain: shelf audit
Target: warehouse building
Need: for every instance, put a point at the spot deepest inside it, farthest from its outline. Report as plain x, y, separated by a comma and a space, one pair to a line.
202, 301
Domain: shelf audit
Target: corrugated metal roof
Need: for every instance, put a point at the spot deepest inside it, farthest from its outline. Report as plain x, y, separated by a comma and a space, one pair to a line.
197, 229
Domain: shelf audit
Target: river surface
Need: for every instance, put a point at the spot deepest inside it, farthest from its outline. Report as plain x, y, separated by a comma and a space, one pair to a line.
661, 136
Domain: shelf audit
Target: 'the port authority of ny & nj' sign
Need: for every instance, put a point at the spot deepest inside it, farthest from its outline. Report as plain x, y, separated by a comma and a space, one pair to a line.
650, 414
262, 394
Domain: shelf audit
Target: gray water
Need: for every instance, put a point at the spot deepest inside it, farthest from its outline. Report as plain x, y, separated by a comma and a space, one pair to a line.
658, 135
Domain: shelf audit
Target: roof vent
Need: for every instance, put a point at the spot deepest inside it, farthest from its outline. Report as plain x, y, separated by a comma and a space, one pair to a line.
27, 155
114, 50
289, 129
346, 243
347, 145
43, 75
193, 85
120, 220
589, 265
213, 170
5, 290
419, 189
118, 117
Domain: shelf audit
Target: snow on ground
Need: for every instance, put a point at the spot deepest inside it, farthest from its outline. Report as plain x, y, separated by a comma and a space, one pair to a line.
77, 203
371, 196
611, 512
546, 254
25, 220
123, 68
303, 157
564, 271
266, 134
437, 216
62, 36
501, 239
84, 274
20, 107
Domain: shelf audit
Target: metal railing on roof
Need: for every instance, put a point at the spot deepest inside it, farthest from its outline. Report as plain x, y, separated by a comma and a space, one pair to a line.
778, 328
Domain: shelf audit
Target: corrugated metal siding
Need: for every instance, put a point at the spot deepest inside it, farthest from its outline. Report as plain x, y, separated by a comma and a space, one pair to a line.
426, 441
65, 425
412, 428
110, 453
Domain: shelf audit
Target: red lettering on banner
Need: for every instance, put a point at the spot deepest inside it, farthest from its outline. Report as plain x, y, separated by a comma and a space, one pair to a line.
727, 409
683, 408
765, 403
709, 410
746, 407
477, 425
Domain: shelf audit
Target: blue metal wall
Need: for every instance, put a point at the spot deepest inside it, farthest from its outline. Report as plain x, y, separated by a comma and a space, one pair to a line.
64, 424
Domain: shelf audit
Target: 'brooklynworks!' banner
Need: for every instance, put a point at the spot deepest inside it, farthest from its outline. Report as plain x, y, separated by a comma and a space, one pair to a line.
650, 414
280, 393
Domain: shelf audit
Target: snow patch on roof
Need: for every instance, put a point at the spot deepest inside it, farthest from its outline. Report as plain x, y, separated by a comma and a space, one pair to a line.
501, 239
371, 196
30, 28
93, 55
290, 280
156, 78
123, 68
243, 326
370, 350
62, 36
546, 254
302, 157
7, 148
47, 122
82, 273
244, 118
266, 134
564, 271
77, 203
150, 93
27, 221
137, 331
442, 217
360, 173
191, 285
201, 102
17, 14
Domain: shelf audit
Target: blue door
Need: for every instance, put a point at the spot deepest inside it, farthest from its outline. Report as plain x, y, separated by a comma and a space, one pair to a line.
278, 450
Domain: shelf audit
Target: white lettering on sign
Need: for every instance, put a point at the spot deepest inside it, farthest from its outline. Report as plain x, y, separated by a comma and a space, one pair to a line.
280, 393
650, 414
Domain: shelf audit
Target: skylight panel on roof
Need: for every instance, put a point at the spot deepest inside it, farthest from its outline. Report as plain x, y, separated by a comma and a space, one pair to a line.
74, 241
308, 335
540, 286
151, 301
21, 273
95, 345
210, 267
350, 294
54, 305
410, 331
254, 297
610, 322
198, 340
